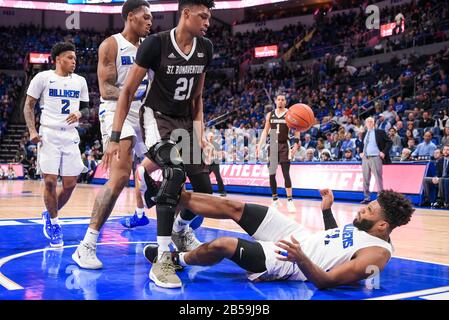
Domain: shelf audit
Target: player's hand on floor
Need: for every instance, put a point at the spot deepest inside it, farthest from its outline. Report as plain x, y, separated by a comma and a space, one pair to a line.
289, 251
327, 199
112, 154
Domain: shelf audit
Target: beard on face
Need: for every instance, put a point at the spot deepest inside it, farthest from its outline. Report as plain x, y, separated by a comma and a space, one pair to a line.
363, 225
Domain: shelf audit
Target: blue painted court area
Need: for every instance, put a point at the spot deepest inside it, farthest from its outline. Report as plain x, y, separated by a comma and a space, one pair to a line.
31, 270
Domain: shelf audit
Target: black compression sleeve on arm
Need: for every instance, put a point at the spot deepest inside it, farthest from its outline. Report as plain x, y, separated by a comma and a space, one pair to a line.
149, 53
329, 220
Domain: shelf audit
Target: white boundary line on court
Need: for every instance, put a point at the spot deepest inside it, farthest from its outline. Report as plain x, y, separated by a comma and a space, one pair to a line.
412, 294
11, 285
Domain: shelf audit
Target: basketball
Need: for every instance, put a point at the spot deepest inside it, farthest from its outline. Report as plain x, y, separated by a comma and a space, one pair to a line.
300, 117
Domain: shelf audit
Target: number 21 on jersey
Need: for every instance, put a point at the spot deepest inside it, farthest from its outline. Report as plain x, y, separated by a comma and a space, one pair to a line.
183, 89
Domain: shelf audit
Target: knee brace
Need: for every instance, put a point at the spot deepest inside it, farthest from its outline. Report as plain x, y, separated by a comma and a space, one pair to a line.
173, 171
165, 153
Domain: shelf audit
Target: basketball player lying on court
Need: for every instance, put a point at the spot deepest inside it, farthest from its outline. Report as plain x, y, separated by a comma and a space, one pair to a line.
285, 250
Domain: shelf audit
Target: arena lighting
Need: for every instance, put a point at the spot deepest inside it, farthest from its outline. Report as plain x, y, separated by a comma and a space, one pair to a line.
93, 8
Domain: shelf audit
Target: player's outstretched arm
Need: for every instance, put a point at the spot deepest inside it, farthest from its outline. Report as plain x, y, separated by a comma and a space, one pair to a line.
326, 203
359, 268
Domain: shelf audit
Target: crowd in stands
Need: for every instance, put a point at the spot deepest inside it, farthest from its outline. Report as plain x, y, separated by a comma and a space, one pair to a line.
10, 87
426, 22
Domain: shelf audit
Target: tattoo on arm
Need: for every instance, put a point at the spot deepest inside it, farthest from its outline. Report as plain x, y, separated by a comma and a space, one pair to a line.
28, 112
107, 70
111, 92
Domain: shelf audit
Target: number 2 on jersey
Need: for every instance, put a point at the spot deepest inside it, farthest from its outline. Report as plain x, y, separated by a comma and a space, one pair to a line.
183, 85
65, 107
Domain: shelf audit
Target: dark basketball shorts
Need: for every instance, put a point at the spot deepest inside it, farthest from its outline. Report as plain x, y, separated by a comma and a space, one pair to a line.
158, 126
283, 153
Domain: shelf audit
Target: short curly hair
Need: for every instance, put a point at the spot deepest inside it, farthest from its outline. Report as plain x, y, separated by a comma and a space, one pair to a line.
396, 208
207, 3
61, 47
132, 5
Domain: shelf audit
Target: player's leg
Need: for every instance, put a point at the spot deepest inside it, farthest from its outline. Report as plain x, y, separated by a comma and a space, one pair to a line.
260, 222
68, 185
249, 255
50, 194
85, 254
285, 166
274, 190
119, 177
51, 227
55, 200
182, 235
48, 162
272, 167
166, 155
138, 218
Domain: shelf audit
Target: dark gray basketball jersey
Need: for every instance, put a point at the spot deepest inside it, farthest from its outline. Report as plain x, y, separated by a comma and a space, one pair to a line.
280, 126
176, 75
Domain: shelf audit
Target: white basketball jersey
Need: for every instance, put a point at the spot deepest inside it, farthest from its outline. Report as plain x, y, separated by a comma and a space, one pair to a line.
126, 54
330, 248
59, 97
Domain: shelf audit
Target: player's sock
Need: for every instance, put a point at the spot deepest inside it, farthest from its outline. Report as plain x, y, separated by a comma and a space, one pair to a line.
140, 212
91, 236
54, 220
180, 224
275, 197
164, 245
181, 260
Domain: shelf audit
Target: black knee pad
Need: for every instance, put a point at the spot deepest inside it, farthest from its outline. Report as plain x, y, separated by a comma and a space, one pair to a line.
165, 153
171, 187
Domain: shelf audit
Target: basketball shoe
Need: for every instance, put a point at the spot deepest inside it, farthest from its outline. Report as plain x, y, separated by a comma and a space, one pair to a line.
86, 256
134, 221
291, 206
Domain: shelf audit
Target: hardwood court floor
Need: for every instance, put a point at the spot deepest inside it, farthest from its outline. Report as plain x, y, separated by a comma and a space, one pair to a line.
426, 237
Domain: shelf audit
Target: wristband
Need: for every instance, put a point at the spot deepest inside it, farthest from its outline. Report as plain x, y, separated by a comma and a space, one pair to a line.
115, 136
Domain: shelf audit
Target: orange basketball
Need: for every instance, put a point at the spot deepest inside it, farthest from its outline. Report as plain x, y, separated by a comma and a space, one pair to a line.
300, 117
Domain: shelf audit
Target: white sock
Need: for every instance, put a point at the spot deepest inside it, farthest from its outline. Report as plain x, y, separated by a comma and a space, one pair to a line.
164, 245
54, 220
91, 236
140, 212
180, 224
182, 262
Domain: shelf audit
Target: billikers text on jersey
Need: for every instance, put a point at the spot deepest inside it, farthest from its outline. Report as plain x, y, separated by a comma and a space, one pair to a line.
280, 126
176, 75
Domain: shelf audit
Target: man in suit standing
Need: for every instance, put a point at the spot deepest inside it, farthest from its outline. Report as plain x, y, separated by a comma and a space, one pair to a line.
440, 181
376, 152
